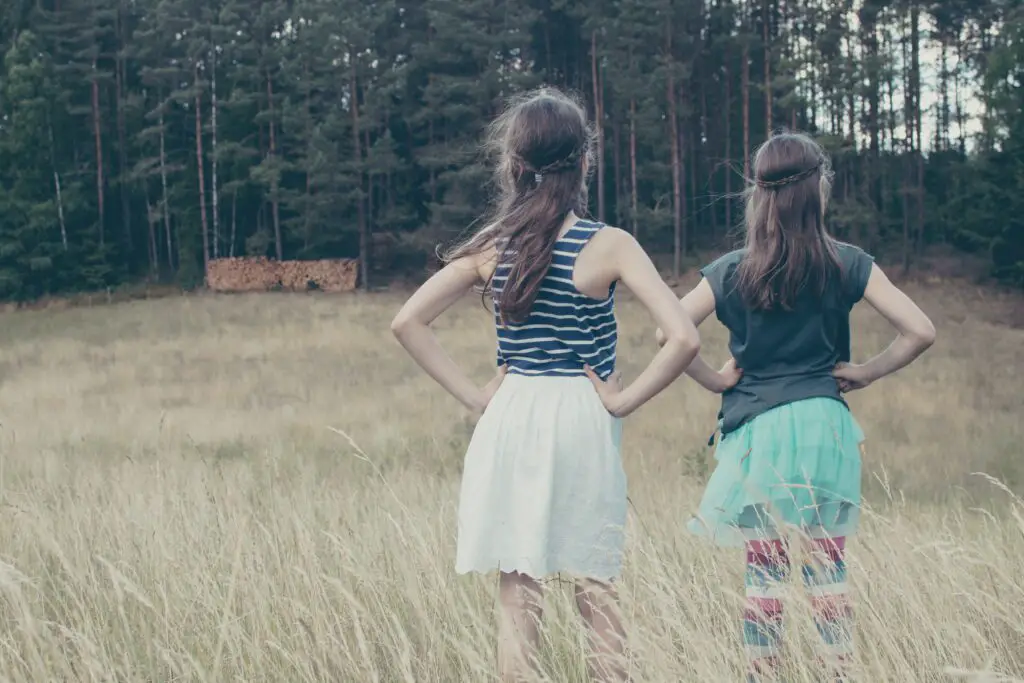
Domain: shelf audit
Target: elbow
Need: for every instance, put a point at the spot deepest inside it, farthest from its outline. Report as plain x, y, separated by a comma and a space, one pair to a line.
925, 336
692, 349
400, 325
687, 343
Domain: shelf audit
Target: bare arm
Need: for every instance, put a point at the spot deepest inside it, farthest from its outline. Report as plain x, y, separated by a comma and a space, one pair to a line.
916, 331
412, 328
636, 271
699, 303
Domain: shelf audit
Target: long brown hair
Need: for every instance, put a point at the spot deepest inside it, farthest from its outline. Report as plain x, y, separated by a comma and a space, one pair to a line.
788, 250
542, 144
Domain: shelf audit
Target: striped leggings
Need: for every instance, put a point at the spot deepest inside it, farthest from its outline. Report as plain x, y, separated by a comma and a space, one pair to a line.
824, 578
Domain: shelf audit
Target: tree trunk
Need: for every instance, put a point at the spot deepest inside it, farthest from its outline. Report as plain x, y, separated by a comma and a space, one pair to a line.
598, 124
371, 186
617, 162
363, 225
97, 134
275, 203
214, 189
727, 115
690, 151
547, 48
908, 109
888, 199
869, 25
915, 46
163, 183
202, 180
851, 97
632, 168
794, 55
234, 222
958, 95
745, 86
705, 136
151, 221
673, 125
942, 116
307, 218
432, 183
60, 210
56, 187
812, 40
274, 200
766, 37
122, 147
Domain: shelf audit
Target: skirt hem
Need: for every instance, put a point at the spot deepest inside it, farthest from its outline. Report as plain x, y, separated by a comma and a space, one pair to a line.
793, 469
527, 570
732, 536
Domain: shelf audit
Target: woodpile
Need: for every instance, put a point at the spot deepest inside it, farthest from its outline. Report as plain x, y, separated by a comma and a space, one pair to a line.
263, 274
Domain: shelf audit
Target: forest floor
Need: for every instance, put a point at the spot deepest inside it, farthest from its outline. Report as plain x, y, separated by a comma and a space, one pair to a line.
263, 488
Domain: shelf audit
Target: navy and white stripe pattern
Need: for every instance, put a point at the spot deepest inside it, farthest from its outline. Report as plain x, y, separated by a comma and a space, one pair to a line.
565, 328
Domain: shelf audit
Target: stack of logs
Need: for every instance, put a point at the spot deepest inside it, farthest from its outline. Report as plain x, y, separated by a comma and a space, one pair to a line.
263, 274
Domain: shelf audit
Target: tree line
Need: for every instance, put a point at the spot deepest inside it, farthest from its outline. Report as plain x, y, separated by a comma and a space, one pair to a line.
142, 138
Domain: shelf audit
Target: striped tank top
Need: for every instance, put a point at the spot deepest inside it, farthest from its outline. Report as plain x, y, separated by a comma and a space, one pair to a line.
565, 329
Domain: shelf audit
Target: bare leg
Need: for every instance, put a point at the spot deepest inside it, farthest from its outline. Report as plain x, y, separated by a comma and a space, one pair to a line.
518, 629
598, 605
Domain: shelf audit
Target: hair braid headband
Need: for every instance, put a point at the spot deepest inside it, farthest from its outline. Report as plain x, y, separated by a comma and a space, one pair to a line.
563, 164
772, 184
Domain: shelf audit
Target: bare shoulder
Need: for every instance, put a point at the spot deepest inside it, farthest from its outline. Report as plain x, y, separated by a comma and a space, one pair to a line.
483, 261
614, 242
611, 234
618, 255
478, 255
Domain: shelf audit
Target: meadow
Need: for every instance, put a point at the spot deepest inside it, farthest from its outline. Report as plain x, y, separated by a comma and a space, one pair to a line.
263, 488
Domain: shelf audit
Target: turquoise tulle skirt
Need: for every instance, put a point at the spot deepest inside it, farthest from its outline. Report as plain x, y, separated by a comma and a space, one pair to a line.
793, 468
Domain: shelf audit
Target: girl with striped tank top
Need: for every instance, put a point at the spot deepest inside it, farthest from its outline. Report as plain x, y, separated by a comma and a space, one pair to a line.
788, 471
543, 488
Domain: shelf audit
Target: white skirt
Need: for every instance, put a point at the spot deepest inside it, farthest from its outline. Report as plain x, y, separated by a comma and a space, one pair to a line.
543, 488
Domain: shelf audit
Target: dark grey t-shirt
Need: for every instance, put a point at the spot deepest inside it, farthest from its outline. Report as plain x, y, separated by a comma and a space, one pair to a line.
786, 356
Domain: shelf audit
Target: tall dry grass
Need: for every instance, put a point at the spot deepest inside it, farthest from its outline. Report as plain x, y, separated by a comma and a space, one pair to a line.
177, 505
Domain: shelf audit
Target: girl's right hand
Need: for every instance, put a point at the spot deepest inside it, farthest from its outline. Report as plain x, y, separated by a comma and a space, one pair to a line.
609, 391
731, 375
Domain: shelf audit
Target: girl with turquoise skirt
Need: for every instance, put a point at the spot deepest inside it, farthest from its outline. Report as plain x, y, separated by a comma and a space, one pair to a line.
789, 454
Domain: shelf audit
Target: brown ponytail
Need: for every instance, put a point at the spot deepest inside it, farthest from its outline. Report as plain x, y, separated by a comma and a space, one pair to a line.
788, 250
543, 147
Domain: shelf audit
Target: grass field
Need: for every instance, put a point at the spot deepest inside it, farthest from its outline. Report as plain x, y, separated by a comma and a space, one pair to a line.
263, 488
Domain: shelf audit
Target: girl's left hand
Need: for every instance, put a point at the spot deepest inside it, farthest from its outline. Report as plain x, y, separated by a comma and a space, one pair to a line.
608, 390
488, 392
850, 377
731, 374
